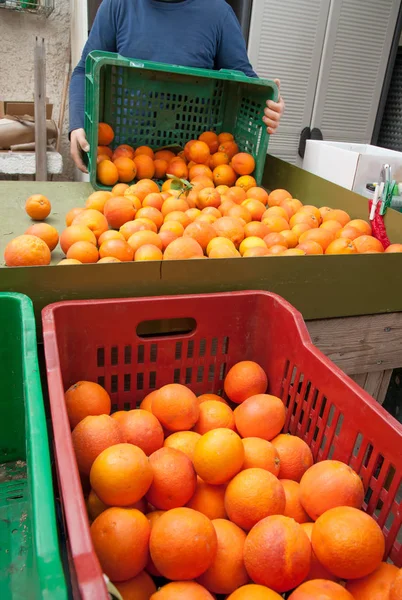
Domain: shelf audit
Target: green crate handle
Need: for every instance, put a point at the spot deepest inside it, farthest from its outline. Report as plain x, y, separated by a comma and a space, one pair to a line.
222, 100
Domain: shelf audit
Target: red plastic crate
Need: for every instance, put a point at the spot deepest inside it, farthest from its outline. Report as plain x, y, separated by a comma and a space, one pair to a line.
98, 340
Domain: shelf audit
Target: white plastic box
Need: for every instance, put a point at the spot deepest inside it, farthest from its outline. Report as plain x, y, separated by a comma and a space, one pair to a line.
351, 166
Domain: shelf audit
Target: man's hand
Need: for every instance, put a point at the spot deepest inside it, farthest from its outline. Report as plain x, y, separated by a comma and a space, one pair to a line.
274, 112
79, 143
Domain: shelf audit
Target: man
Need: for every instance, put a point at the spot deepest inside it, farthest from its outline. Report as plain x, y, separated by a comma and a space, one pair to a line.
191, 33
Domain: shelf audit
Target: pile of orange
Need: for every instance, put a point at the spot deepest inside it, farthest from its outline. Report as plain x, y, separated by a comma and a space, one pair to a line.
210, 495
209, 206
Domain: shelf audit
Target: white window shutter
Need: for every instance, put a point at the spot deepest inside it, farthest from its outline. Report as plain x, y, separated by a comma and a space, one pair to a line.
285, 42
353, 67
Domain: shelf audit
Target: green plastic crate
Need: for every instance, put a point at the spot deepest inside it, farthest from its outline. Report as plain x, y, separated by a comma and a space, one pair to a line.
160, 105
30, 564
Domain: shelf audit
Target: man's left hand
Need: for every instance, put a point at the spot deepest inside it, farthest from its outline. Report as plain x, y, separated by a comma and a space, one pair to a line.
273, 112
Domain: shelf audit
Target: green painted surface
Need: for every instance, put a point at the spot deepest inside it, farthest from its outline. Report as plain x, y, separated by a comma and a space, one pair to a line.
319, 286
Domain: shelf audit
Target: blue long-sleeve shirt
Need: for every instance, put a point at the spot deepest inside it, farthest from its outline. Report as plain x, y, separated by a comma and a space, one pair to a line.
190, 33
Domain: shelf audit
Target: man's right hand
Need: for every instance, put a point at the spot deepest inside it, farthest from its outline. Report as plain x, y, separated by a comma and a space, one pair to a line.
79, 144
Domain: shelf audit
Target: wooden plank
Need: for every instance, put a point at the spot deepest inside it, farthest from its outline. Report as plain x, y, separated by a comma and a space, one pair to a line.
360, 344
382, 392
375, 383
40, 110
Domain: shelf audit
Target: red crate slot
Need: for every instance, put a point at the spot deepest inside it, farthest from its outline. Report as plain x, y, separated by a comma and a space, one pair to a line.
132, 346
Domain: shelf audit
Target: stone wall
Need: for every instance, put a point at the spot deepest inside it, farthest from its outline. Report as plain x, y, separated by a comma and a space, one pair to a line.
17, 35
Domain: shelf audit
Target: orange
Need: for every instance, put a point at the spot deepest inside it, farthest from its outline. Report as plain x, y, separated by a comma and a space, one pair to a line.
317, 570
70, 261
348, 542
336, 215
145, 166
293, 252
224, 175
143, 188
155, 199
214, 415
227, 572
348, 232
182, 248
313, 210
182, 590
251, 243
185, 441
275, 211
199, 169
136, 202
375, 586
70, 216
341, 246
225, 137
320, 236
243, 163
140, 587
206, 397
97, 200
105, 134
236, 194
241, 213
218, 456
131, 227
118, 210
367, 243
229, 147
167, 155
246, 182
173, 204
25, 251
295, 456
140, 238
276, 224
209, 500
255, 229
183, 544
94, 220
123, 150
152, 213
339, 485
161, 167
120, 537
166, 238
281, 543
121, 474
211, 139
219, 242
293, 507
261, 415
254, 592
211, 210
275, 239
174, 479
176, 407
300, 228
231, 228
255, 208
304, 218
219, 158
86, 398
222, 251
148, 252
141, 428
396, 588
320, 589
291, 238
277, 196
310, 247
192, 214
105, 150
245, 379
208, 197
277, 249
258, 193
260, 453
144, 151
45, 232
38, 207
152, 518
290, 205
85, 252
146, 403
95, 506
91, 437
394, 248
178, 216
361, 225
107, 173
126, 169
199, 152
252, 495
333, 226
101, 157
110, 235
